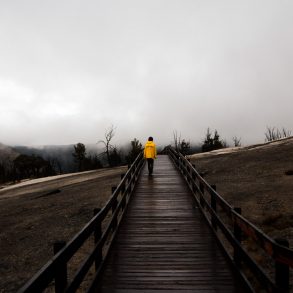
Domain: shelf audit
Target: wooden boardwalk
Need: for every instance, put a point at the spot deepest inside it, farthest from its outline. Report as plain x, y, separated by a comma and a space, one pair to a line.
164, 244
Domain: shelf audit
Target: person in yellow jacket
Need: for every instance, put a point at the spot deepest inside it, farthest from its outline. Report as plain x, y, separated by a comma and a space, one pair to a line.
150, 153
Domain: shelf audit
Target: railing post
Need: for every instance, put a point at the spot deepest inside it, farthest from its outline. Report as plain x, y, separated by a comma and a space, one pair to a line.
130, 181
193, 180
190, 174
187, 173
238, 236
122, 193
201, 188
282, 270
61, 271
214, 206
177, 159
185, 170
135, 171
97, 237
114, 206
188, 170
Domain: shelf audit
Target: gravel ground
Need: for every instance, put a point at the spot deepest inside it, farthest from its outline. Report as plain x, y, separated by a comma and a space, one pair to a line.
259, 179
35, 214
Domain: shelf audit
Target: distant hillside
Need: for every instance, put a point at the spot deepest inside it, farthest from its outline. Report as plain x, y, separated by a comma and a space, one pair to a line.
7, 155
7, 152
60, 153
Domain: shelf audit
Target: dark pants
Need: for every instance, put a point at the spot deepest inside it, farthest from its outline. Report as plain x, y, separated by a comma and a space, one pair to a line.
150, 165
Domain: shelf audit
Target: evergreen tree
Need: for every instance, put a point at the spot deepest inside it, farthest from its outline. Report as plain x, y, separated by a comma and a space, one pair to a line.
212, 143
26, 166
136, 148
92, 163
79, 155
184, 147
115, 157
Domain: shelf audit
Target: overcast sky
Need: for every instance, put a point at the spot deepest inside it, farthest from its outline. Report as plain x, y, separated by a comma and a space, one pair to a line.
69, 69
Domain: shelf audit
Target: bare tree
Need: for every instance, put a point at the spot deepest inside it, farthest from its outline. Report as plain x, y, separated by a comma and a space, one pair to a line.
286, 133
109, 134
274, 133
236, 141
177, 140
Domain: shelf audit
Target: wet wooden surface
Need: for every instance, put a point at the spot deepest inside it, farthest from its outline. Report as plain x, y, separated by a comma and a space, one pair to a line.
164, 243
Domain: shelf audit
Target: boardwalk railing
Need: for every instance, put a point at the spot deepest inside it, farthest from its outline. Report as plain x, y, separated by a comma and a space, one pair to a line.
108, 218
264, 263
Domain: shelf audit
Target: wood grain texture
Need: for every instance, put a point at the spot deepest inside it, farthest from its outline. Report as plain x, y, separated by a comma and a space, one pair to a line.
164, 243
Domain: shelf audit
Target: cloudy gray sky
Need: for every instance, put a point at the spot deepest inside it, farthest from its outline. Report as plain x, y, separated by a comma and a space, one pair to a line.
69, 69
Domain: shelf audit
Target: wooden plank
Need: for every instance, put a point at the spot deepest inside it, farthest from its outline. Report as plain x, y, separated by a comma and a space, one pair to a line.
164, 243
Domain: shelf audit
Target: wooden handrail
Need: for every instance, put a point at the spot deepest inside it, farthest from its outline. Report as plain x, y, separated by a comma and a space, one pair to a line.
279, 253
48, 272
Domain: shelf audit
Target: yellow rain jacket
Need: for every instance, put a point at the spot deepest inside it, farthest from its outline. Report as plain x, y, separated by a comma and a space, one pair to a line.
150, 151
